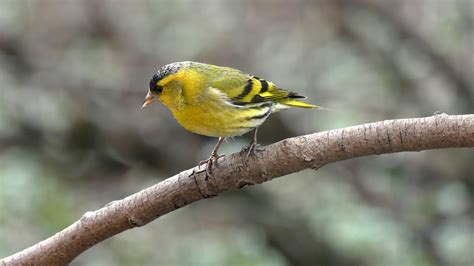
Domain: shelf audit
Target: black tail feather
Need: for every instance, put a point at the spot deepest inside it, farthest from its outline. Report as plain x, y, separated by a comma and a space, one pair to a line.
295, 95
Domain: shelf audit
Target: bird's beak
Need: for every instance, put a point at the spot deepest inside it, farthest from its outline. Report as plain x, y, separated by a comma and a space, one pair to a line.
149, 99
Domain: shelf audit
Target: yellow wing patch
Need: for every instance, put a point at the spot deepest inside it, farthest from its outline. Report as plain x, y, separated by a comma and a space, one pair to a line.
257, 90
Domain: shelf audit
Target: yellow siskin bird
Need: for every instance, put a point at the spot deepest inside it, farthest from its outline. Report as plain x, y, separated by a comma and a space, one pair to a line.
218, 101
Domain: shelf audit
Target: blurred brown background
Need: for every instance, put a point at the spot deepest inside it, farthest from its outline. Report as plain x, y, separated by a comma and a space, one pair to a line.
73, 75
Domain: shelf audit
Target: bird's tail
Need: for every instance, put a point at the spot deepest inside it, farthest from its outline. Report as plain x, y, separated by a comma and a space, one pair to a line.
291, 101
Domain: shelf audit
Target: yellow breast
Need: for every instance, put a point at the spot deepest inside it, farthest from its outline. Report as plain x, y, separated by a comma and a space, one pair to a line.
216, 118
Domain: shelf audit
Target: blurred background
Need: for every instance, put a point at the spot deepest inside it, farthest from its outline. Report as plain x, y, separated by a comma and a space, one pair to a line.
73, 75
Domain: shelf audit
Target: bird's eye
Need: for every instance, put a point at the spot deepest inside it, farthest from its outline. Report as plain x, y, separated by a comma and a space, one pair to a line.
154, 87
157, 88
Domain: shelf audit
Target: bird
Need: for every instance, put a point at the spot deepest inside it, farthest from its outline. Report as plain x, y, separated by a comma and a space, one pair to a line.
218, 101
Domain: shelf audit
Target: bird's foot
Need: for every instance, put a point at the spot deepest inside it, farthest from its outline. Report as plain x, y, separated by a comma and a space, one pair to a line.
209, 163
250, 150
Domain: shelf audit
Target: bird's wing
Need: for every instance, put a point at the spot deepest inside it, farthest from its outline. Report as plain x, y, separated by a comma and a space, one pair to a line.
243, 89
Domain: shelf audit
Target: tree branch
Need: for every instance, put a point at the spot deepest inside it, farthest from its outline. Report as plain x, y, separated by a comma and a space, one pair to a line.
287, 156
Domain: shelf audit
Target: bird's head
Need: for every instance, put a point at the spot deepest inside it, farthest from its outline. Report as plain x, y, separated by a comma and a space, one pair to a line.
162, 81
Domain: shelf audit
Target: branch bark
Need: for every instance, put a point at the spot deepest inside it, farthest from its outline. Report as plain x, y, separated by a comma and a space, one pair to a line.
281, 158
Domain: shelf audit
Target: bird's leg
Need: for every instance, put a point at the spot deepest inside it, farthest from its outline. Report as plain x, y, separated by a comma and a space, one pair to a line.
252, 148
213, 158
